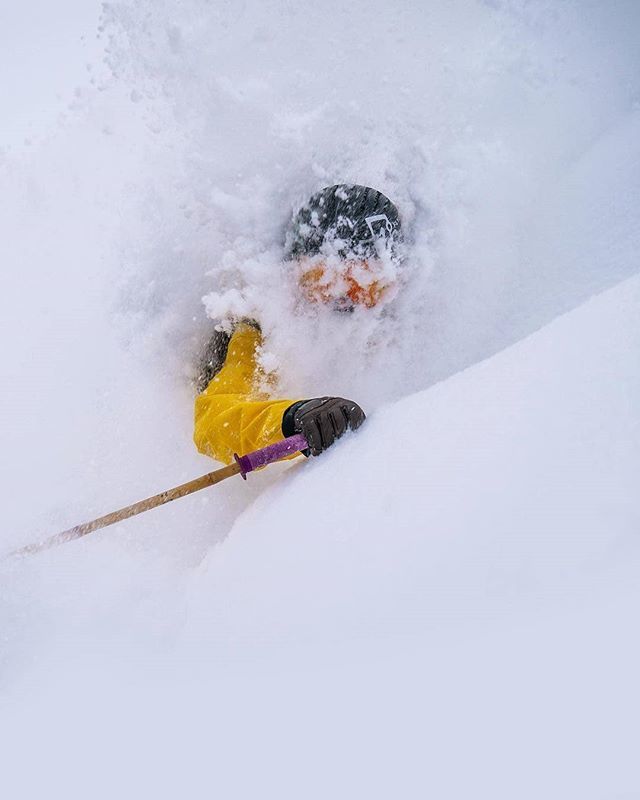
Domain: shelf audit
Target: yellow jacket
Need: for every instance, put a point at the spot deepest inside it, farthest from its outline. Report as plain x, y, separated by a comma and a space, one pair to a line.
232, 415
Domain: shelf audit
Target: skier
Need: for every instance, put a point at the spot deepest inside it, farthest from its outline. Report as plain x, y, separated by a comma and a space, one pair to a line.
340, 245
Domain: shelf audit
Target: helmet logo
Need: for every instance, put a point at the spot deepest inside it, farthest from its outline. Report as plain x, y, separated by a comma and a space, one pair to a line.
379, 218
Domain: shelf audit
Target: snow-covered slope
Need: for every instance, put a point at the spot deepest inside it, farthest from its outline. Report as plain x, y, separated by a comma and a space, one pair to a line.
444, 605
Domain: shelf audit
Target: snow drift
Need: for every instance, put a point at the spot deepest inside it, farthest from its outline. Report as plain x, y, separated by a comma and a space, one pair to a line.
455, 585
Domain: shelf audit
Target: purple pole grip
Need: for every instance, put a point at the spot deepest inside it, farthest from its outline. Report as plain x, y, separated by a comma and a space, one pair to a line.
274, 452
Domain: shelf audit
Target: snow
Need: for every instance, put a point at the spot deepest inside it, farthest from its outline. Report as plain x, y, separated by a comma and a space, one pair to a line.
41, 60
478, 484
445, 603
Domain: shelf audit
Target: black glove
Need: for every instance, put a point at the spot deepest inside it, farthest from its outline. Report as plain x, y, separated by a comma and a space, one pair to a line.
322, 421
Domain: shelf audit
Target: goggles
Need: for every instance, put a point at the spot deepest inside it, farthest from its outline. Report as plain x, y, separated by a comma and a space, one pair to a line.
344, 283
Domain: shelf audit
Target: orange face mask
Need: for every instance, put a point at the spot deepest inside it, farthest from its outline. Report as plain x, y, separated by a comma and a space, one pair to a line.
350, 283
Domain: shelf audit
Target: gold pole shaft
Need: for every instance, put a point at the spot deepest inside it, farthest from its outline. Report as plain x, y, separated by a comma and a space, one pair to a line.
130, 511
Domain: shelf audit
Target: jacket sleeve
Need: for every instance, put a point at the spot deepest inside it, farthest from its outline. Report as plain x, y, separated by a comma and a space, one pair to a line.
230, 415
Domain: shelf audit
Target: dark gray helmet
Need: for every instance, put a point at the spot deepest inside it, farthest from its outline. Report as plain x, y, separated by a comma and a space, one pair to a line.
348, 220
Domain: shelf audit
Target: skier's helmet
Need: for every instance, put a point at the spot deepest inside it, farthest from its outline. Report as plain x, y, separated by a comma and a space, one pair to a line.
346, 243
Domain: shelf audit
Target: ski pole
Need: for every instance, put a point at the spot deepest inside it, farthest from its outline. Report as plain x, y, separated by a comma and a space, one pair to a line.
242, 466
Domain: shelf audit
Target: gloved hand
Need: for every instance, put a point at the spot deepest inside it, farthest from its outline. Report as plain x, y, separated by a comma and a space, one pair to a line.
322, 420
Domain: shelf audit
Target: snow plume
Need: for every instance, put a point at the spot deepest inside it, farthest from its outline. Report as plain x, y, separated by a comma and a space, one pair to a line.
506, 133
